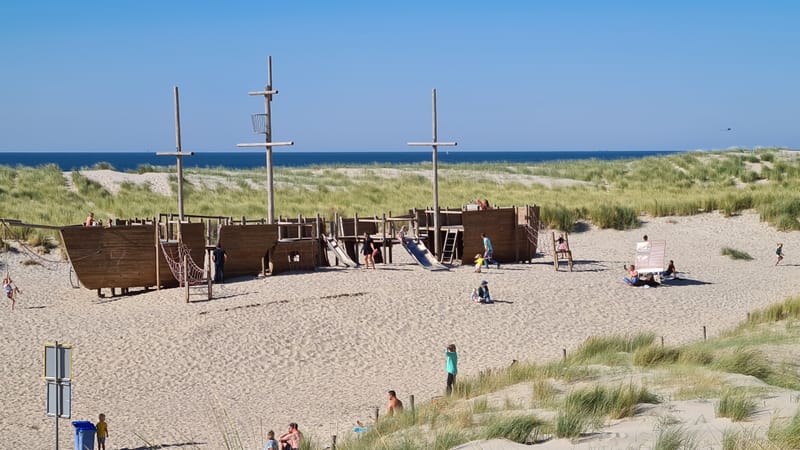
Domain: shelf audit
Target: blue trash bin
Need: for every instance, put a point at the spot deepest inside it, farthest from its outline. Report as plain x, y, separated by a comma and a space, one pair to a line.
84, 435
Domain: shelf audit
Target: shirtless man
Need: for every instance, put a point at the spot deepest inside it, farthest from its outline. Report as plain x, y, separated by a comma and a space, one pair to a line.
394, 405
291, 439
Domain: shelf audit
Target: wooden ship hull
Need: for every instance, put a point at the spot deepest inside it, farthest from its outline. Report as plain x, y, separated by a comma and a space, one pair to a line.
125, 256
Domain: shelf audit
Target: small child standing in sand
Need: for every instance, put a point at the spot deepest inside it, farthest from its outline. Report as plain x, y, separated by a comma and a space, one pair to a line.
478, 262
779, 252
272, 444
452, 367
102, 432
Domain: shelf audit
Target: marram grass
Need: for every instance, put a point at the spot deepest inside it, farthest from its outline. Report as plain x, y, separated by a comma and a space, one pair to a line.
610, 194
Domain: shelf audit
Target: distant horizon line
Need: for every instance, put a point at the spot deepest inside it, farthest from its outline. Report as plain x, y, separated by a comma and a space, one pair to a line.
417, 150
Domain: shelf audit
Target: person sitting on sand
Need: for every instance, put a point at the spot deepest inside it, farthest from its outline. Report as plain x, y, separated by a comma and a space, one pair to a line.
478, 263
637, 280
291, 439
474, 296
271, 444
633, 275
483, 292
670, 271
11, 290
89, 222
394, 405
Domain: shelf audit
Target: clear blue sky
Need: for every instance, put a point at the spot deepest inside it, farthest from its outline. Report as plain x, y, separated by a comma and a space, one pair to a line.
510, 75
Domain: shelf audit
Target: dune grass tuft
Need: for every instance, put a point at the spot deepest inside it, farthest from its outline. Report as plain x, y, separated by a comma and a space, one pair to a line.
675, 438
736, 254
604, 348
785, 433
515, 428
735, 405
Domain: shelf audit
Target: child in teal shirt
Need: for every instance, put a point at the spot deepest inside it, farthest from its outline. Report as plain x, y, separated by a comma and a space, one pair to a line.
452, 366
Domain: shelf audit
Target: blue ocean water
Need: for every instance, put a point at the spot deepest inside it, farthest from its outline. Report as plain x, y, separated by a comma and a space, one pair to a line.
250, 160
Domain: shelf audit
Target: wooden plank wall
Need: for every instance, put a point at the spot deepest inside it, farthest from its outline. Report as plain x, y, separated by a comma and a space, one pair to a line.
499, 224
112, 257
124, 256
193, 235
245, 246
304, 255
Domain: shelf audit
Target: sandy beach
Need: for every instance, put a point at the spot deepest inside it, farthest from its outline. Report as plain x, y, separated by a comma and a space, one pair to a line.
323, 348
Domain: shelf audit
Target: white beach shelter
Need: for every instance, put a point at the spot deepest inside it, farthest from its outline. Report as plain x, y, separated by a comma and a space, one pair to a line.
650, 256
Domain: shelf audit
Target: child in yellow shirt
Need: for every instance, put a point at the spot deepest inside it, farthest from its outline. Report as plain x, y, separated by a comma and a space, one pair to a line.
478, 262
102, 432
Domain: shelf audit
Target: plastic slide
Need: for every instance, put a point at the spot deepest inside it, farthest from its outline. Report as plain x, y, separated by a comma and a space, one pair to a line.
339, 251
421, 253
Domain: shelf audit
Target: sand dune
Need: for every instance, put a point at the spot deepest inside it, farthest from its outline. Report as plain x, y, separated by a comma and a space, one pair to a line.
322, 348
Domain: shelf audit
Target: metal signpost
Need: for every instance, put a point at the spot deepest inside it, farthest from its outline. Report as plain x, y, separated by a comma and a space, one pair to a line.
262, 124
58, 381
435, 144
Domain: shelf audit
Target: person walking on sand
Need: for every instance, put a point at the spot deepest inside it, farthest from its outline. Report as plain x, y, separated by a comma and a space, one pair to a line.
11, 290
394, 405
452, 367
368, 250
291, 439
219, 256
779, 252
488, 251
102, 432
478, 262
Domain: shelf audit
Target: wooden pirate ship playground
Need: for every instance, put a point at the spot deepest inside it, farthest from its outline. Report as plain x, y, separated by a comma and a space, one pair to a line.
174, 249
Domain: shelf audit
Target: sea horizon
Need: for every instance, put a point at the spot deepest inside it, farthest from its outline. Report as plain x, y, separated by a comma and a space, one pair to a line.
126, 161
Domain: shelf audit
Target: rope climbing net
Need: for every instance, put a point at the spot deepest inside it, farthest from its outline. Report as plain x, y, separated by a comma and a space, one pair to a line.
175, 256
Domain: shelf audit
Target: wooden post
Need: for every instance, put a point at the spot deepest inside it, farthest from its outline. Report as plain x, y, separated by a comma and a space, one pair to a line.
299, 226
662, 341
564, 353
555, 250
375, 411
208, 278
158, 250
411, 402
333, 442
705, 336
516, 234
186, 276
384, 238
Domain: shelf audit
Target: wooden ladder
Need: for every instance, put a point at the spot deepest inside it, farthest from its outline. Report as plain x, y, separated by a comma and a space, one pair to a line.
449, 248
